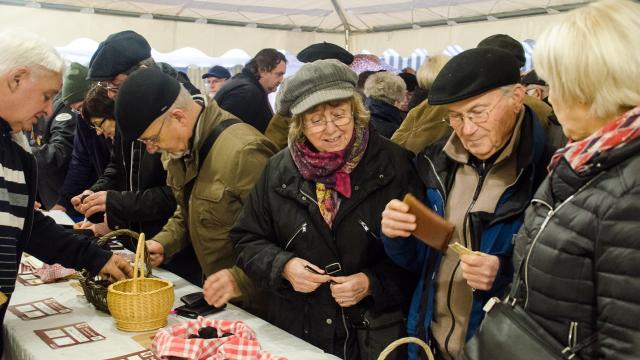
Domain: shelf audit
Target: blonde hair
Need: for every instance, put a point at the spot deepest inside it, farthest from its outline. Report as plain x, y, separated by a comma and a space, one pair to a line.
590, 57
360, 116
30, 50
385, 86
429, 70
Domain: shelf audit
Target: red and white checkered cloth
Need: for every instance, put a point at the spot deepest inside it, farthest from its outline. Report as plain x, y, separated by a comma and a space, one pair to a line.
173, 342
51, 273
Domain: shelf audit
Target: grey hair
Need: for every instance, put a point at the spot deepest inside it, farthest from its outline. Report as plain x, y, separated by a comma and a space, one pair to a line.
182, 102
30, 50
385, 86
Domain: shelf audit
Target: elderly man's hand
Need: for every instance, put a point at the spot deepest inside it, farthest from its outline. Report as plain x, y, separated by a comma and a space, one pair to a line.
76, 201
116, 268
220, 287
349, 290
156, 252
479, 270
301, 279
94, 203
396, 220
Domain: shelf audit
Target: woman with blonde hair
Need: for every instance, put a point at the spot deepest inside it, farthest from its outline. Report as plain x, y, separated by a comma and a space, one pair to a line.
579, 247
309, 230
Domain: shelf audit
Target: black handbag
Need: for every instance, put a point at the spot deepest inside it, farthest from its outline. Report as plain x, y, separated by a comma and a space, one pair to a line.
508, 332
377, 331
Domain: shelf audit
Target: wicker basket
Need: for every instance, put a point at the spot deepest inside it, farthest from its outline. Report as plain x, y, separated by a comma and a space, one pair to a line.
406, 340
140, 304
94, 287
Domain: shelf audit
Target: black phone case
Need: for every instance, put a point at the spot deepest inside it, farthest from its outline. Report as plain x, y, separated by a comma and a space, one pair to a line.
196, 310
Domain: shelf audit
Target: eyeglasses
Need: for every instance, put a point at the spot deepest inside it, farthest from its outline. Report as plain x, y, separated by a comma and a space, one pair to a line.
153, 140
108, 85
319, 124
97, 127
456, 119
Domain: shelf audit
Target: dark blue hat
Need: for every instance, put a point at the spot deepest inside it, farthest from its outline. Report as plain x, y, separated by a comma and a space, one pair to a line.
117, 54
218, 72
473, 72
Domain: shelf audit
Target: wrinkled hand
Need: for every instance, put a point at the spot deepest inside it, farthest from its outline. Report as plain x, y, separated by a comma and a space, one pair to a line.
301, 279
76, 201
349, 290
156, 252
37, 205
479, 270
94, 203
220, 287
396, 220
59, 207
117, 268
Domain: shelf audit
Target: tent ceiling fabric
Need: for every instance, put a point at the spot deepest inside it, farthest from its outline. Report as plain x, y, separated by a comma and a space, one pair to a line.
320, 15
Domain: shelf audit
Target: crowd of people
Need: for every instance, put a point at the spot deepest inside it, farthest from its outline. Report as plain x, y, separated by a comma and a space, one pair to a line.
296, 215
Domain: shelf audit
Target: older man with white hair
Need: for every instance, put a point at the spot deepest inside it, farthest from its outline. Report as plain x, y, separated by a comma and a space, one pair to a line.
30, 76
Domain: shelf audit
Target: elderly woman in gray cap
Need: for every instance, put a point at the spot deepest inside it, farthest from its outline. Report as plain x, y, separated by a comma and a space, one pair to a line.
309, 230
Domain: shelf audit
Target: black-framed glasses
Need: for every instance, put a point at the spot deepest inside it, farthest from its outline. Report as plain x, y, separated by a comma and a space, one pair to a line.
97, 127
456, 119
153, 140
319, 124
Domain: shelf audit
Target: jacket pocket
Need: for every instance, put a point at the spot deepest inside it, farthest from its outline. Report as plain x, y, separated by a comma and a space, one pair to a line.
214, 204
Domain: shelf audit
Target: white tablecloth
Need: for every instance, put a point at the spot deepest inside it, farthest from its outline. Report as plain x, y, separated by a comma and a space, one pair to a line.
20, 341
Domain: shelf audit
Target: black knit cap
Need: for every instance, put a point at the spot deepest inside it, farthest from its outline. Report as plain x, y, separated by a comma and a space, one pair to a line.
145, 95
117, 54
473, 72
507, 43
323, 51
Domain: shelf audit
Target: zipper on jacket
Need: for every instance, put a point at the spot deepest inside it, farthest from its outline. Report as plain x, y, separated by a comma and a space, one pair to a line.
572, 339
346, 339
309, 197
481, 177
367, 229
302, 229
435, 173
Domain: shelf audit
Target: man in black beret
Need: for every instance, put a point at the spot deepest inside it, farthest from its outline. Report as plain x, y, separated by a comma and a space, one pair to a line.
132, 191
480, 179
213, 161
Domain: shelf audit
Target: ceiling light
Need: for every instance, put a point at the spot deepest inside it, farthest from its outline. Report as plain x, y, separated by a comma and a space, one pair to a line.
491, 18
552, 11
146, 16
87, 10
201, 21
251, 25
33, 4
451, 23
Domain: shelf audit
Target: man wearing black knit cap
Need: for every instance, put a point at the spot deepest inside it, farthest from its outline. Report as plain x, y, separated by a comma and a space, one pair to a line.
480, 179
213, 160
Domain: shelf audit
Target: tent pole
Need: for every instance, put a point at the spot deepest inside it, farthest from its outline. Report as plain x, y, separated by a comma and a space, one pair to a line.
345, 23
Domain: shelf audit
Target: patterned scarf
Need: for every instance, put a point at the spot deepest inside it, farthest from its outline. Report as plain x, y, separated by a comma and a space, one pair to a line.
617, 133
330, 170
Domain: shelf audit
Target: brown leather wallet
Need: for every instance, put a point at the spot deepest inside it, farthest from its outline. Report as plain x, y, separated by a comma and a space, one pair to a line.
431, 228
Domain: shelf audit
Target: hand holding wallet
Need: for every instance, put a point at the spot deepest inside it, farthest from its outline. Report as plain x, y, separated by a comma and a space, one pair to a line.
431, 228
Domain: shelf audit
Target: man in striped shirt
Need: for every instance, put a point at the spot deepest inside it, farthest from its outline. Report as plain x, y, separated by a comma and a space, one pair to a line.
30, 76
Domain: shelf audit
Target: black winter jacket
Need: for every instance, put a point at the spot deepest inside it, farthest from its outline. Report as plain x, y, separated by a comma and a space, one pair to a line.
244, 97
385, 117
281, 220
582, 269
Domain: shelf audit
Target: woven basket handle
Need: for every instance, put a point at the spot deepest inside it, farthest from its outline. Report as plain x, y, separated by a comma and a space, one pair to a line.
137, 272
406, 340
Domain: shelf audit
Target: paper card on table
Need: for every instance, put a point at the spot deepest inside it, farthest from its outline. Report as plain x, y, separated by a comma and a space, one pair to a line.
38, 309
69, 335
29, 279
60, 217
140, 355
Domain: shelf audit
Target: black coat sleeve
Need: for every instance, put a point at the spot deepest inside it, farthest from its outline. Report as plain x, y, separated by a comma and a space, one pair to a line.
56, 153
110, 179
157, 203
52, 243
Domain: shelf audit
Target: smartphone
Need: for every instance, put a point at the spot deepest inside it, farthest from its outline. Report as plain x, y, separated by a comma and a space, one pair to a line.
192, 312
310, 269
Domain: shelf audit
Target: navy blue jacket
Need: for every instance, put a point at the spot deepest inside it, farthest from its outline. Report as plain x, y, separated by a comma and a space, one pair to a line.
385, 118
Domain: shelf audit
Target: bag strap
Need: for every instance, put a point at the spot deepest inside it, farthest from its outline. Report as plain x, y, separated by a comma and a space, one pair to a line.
570, 352
207, 144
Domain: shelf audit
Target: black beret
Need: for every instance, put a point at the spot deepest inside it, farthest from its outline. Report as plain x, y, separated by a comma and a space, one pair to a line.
323, 51
410, 80
473, 72
532, 78
145, 95
507, 43
117, 54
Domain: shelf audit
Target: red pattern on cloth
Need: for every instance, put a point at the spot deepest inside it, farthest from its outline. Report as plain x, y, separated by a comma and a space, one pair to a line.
173, 342
617, 133
52, 273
